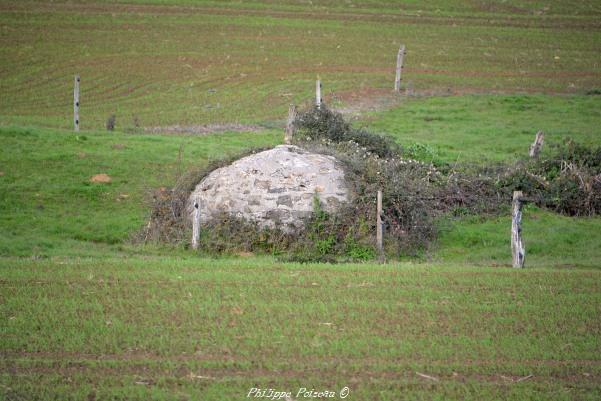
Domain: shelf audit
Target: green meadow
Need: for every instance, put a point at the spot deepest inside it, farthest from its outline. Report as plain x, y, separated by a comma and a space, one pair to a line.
196, 328
86, 313
199, 62
478, 129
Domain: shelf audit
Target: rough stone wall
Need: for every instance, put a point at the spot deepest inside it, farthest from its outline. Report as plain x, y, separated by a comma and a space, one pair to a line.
274, 188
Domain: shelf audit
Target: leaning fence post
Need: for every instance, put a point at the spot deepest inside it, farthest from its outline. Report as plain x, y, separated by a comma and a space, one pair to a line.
379, 234
517, 247
318, 94
399, 66
76, 104
537, 145
196, 224
290, 124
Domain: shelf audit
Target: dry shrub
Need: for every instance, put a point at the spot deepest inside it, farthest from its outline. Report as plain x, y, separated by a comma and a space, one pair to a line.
411, 197
318, 124
227, 234
567, 181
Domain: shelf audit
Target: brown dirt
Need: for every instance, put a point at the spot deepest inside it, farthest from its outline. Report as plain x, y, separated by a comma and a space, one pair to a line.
356, 102
101, 179
142, 356
202, 129
146, 372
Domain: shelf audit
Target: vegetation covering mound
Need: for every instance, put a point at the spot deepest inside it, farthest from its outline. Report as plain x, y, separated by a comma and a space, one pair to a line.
416, 194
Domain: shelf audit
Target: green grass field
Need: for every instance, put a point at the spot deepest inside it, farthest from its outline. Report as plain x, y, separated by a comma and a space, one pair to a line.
485, 128
190, 328
49, 207
186, 62
85, 314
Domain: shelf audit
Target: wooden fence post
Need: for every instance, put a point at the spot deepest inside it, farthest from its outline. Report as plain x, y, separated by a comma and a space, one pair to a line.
196, 224
318, 94
290, 124
399, 66
76, 104
517, 247
379, 227
537, 145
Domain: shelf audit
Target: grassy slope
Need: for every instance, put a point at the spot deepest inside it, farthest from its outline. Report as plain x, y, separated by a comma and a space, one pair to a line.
479, 128
212, 329
239, 61
550, 240
49, 207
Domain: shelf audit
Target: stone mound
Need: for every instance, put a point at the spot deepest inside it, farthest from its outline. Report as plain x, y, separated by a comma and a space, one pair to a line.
274, 188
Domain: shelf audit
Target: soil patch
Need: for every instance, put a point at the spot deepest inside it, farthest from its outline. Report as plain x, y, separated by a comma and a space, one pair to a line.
101, 179
203, 129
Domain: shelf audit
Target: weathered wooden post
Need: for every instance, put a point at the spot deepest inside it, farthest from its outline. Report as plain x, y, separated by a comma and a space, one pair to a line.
290, 124
318, 94
379, 227
76, 104
517, 247
537, 145
196, 224
399, 66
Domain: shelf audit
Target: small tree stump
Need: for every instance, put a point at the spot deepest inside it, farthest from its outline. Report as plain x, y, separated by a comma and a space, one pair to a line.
537, 145
290, 124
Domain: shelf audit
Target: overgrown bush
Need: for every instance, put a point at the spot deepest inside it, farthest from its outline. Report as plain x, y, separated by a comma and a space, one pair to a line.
332, 237
322, 123
228, 234
415, 192
567, 180
411, 198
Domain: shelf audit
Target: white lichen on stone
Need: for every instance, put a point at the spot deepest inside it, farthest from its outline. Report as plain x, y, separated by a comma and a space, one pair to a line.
274, 188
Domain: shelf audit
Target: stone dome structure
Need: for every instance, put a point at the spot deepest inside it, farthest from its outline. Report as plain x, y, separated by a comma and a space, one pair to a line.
274, 188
